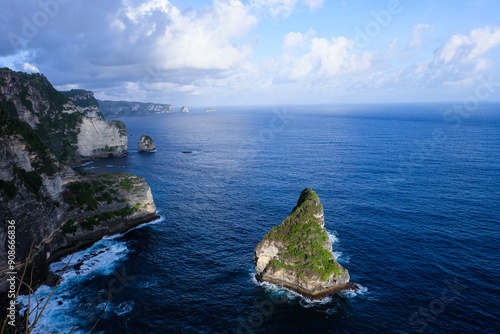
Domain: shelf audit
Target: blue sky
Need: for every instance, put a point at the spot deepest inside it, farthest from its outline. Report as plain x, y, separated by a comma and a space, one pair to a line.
232, 52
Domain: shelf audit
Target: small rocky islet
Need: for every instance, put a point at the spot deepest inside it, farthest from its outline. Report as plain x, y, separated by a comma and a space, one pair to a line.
297, 254
146, 144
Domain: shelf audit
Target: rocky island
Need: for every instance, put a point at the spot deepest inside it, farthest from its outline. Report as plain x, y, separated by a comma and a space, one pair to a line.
184, 109
298, 254
146, 144
114, 109
42, 133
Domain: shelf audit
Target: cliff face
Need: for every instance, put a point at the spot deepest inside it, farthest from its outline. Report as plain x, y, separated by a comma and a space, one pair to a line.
114, 109
85, 102
55, 207
70, 124
100, 138
298, 253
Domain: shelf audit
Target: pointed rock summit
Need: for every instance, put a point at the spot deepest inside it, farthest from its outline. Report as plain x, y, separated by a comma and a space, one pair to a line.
146, 144
298, 253
184, 109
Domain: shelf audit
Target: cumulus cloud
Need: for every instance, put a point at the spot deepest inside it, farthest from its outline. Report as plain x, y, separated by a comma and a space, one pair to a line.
417, 35
285, 7
201, 40
101, 45
306, 57
30, 68
460, 61
152, 50
468, 48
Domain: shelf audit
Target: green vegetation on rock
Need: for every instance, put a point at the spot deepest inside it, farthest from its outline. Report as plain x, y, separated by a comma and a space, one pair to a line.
55, 127
122, 128
304, 239
89, 222
32, 180
11, 125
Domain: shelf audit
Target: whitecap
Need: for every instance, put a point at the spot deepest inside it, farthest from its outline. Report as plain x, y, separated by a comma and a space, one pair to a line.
290, 295
102, 258
332, 237
124, 308
151, 223
362, 290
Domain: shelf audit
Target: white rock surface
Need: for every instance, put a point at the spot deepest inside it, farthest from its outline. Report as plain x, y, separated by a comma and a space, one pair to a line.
101, 138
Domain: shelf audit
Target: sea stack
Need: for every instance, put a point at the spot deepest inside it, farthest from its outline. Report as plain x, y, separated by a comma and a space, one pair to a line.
146, 144
298, 253
184, 109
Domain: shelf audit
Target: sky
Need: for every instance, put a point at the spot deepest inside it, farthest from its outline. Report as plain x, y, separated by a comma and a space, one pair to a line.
259, 52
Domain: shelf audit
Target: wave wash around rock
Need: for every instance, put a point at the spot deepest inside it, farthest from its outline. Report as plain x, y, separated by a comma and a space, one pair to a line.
298, 253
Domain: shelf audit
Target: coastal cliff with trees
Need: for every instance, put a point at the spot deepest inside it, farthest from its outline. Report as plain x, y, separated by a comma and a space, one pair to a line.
43, 132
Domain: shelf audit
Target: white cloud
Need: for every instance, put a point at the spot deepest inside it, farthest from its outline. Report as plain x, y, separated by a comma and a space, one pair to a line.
201, 39
30, 68
285, 7
306, 57
468, 48
296, 40
417, 35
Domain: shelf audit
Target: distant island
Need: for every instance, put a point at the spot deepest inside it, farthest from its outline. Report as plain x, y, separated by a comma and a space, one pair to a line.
298, 253
210, 110
116, 109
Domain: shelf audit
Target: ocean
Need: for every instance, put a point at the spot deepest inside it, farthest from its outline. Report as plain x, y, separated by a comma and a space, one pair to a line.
411, 198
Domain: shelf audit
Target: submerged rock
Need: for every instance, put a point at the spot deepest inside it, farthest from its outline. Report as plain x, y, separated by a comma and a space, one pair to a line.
298, 253
146, 144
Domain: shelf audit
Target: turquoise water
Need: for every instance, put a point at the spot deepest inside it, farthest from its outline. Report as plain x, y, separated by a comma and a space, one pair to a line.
411, 204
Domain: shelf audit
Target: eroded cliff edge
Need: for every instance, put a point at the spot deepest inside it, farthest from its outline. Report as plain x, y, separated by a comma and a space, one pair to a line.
70, 123
298, 253
54, 207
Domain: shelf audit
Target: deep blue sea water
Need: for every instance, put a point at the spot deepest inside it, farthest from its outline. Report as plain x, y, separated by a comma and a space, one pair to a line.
411, 197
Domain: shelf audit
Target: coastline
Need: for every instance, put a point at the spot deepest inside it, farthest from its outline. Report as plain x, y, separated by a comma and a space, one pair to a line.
312, 295
41, 265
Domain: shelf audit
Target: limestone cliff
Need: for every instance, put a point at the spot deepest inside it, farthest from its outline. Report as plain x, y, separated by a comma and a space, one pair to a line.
114, 109
85, 102
146, 144
70, 124
298, 253
41, 132
100, 138
57, 208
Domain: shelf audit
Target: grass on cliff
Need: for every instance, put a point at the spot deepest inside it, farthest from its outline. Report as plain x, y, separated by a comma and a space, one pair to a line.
72, 225
304, 239
10, 125
56, 128
89, 195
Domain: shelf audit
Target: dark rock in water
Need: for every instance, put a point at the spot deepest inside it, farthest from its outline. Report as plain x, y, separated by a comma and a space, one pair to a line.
146, 144
186, 152
298, 253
